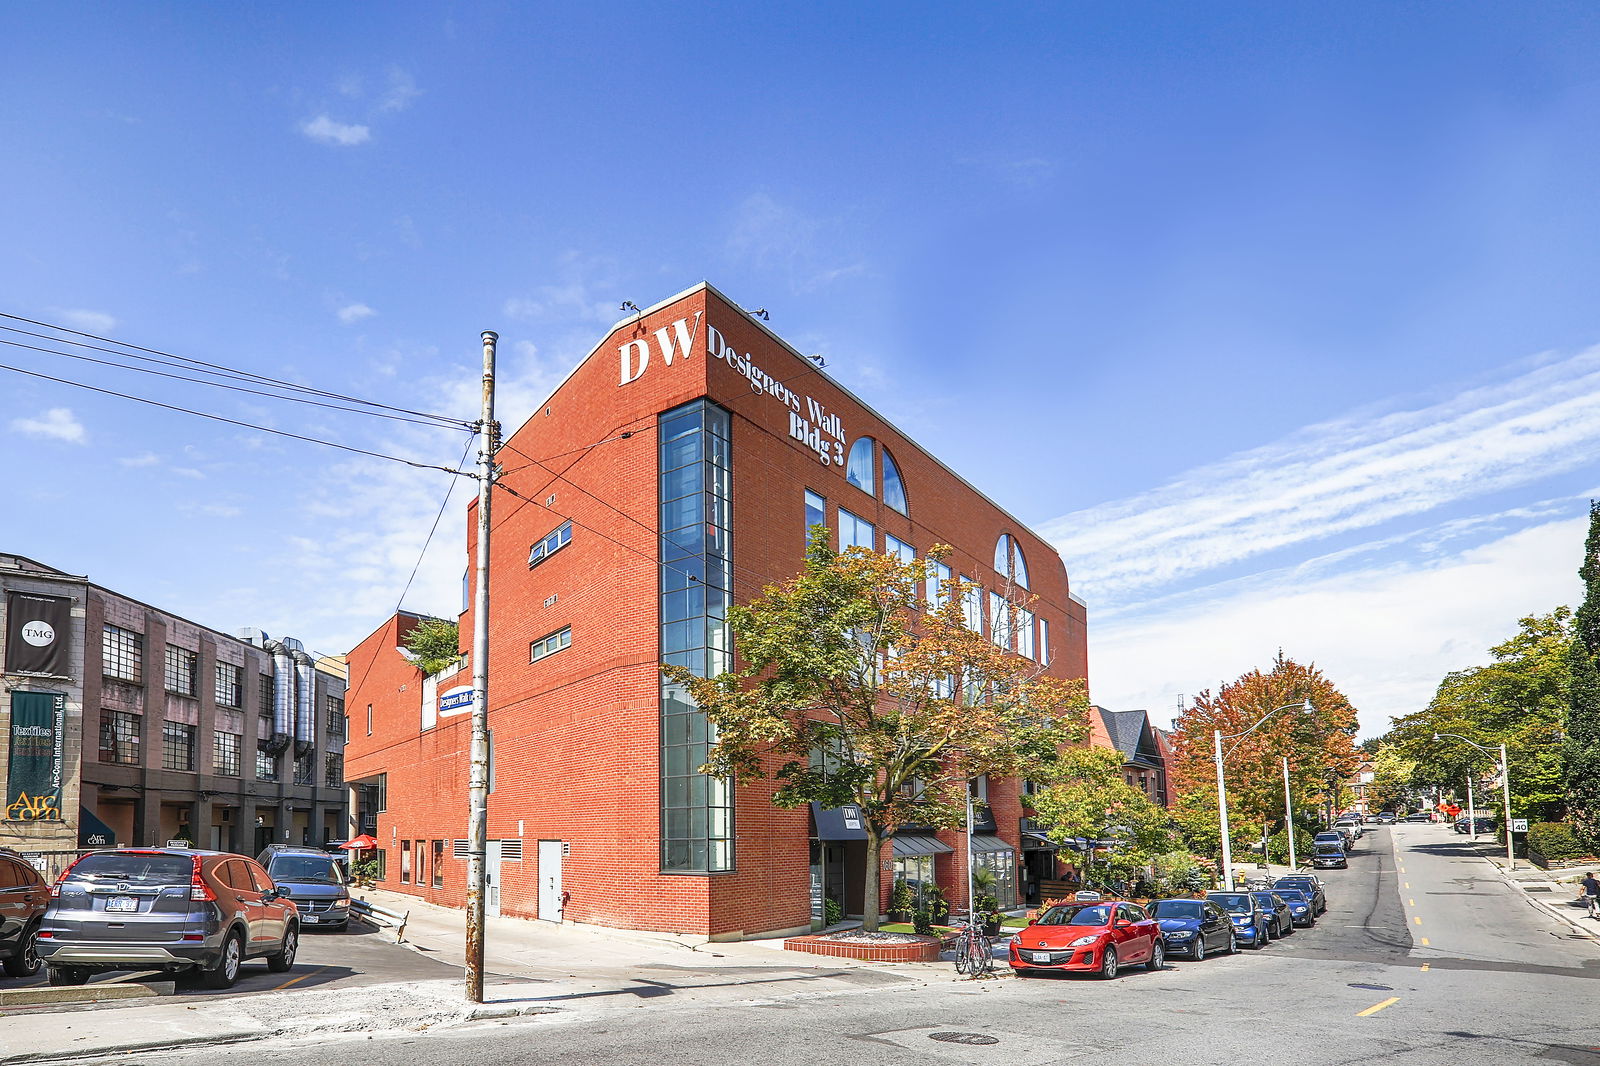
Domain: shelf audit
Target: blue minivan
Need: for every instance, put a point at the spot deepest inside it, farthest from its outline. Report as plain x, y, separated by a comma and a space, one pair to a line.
314, 879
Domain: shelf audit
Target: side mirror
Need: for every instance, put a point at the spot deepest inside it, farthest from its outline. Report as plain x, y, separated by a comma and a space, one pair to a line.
271, 895
1033, 921
1120, 923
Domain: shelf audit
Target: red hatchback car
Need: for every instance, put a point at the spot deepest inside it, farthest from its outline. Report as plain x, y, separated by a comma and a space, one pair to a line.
1094, 937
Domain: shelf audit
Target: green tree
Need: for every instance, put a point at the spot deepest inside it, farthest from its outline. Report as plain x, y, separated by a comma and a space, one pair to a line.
1581, 748
434, 644
1086, 795
1391, 779
852, 689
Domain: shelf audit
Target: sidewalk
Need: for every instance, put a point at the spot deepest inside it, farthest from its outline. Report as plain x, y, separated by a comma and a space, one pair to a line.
1553, 891
531, 968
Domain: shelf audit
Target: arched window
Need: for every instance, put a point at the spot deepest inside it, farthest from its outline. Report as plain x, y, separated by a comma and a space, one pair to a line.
894, 490
1008, 561
858, 471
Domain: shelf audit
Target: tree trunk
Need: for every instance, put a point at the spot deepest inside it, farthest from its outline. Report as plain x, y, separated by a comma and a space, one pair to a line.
873, 879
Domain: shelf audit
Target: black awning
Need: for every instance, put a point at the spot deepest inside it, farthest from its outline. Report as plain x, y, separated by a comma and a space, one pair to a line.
909, 846
1036, 841
838, 823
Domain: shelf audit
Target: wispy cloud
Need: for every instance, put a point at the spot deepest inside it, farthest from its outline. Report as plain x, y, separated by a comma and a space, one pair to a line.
58, 423
772, 234
401, 91
350, 314
325, 130
1341, 476
87, 321
142, 459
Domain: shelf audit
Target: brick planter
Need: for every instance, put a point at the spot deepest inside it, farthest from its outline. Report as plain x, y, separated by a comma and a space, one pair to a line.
925, 949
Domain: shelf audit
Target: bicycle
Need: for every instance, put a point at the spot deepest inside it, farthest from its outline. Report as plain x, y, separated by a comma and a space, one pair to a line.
974, 951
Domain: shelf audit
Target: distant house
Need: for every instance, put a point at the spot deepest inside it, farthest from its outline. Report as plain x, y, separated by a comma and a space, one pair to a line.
1144, 762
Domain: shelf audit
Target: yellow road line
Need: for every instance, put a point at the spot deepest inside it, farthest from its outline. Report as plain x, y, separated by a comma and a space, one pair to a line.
1411, 903
297, 980
1424, 941
1417, 920
1376, 1007
1425, 967
1408, 885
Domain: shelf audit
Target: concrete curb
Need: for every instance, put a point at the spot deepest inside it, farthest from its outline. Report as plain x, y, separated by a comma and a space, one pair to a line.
102, 993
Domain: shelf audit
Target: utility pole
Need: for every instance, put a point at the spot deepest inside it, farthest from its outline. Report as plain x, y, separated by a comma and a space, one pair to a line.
478, 803
1288, 814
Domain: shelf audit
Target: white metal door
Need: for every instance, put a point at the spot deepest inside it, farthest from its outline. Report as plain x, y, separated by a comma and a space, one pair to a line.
491, 878
550, 880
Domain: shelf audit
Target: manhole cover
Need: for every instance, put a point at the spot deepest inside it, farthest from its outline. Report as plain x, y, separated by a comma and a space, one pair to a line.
964, 1038
1372, 988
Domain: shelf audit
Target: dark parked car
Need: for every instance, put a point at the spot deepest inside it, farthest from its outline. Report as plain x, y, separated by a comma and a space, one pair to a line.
314, 879
1278, 908
1194, 927
172, 909
1308, 884
1098, 937
1251, 923
1328, 857
1485, 824
23, 899
1300, 909
1419, 816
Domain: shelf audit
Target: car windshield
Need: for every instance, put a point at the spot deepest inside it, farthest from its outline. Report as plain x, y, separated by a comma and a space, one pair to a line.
149, 868
1080, 914
1177, 908
305, 868
1292, 895
1265, 897
1293, 882
1234, 903
1329, 849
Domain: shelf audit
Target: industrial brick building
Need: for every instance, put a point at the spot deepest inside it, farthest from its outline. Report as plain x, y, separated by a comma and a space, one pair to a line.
124, 724
676, 470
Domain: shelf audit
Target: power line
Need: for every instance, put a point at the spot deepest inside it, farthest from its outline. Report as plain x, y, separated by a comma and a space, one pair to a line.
227, 370
231, 421
452, 424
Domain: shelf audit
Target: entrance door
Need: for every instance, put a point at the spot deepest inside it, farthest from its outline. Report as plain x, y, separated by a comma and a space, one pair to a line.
550, 880
491, 879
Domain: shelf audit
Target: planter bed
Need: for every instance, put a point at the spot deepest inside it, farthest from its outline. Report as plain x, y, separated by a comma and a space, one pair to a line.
906, 947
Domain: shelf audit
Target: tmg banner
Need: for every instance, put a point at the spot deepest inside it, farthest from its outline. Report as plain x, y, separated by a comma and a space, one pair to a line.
38, 634
38, 733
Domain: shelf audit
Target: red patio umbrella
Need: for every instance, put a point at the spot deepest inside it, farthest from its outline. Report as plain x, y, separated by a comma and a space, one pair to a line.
360, 843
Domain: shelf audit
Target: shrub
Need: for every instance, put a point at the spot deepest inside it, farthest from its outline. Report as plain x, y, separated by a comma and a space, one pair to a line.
938, 906
922, 922
1554, 840
833, 911
902, 900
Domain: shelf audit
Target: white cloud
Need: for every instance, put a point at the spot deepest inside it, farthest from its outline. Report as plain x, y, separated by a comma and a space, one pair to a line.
58, 423
326, 131
569, 302
189, 472
87, 321
401, 92
1385, 633
1338, 477
142, 459
353, 313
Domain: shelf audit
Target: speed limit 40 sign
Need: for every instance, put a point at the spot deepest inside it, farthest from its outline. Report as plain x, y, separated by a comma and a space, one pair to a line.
1519, 825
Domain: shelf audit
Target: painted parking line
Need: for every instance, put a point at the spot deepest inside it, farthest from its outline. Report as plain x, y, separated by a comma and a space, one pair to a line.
1376, 1007
297, 980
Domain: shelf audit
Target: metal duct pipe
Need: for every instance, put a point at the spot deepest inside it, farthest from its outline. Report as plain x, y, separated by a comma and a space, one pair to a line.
282, 698
305, 719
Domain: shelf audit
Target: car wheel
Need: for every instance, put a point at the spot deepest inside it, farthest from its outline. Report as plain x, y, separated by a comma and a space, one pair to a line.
1158, 957
225, 971
1233, 943
1108, 964
1200, 948
25, 963
66, 975
284, 959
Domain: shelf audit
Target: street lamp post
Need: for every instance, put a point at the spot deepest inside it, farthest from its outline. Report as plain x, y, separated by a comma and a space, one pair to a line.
1288, 814
1505, 788
1222, 788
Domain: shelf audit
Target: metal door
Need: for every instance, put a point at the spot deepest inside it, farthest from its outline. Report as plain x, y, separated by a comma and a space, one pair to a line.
491, 878
550, 880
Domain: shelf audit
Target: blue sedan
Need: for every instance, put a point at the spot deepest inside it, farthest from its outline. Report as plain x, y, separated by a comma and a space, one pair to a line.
1299, 906
1250, 919
1193, 927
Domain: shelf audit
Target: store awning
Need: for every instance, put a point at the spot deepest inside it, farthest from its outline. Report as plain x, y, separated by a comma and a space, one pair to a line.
838, 823
906, 847
981, 843
1037, 841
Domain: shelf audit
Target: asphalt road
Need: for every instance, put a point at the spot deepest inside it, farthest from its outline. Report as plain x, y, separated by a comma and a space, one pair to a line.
1424, 957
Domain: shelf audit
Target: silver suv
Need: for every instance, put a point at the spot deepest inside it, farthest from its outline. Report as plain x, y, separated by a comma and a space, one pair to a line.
166, 909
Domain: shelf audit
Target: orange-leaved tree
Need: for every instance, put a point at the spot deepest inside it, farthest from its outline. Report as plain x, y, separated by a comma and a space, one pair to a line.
851, 688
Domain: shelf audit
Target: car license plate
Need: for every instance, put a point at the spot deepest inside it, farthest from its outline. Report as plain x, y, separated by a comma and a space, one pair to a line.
1041, 956
309, 919
122, 903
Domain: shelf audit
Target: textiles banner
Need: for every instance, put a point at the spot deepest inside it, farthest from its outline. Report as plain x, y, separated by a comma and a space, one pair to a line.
38, 634
38, 732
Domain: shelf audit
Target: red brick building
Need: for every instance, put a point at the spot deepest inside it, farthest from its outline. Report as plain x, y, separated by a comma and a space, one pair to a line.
675, 471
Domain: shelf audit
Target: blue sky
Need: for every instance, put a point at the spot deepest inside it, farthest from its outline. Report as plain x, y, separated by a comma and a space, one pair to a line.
1279, 319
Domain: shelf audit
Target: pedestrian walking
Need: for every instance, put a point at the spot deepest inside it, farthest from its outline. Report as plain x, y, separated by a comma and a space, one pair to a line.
1591, 894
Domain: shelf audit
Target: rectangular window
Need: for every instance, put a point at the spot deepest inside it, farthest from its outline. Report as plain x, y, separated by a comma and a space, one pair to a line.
264, 694
226, 761
552, 543
856, 532
422, 862
938, 585
1024, 626
972, 605
266, 764
119, 737
333, 770
177, 746
334, 709
1044, 642
999, 620
369, 719
302, 771
816, 513
893, 545
230, 685
122, 654
405, 862
560, 640
438, 864
382, 788
182, 666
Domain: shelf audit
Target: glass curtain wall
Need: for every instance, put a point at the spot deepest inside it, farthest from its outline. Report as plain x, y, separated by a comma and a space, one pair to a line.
696, 586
